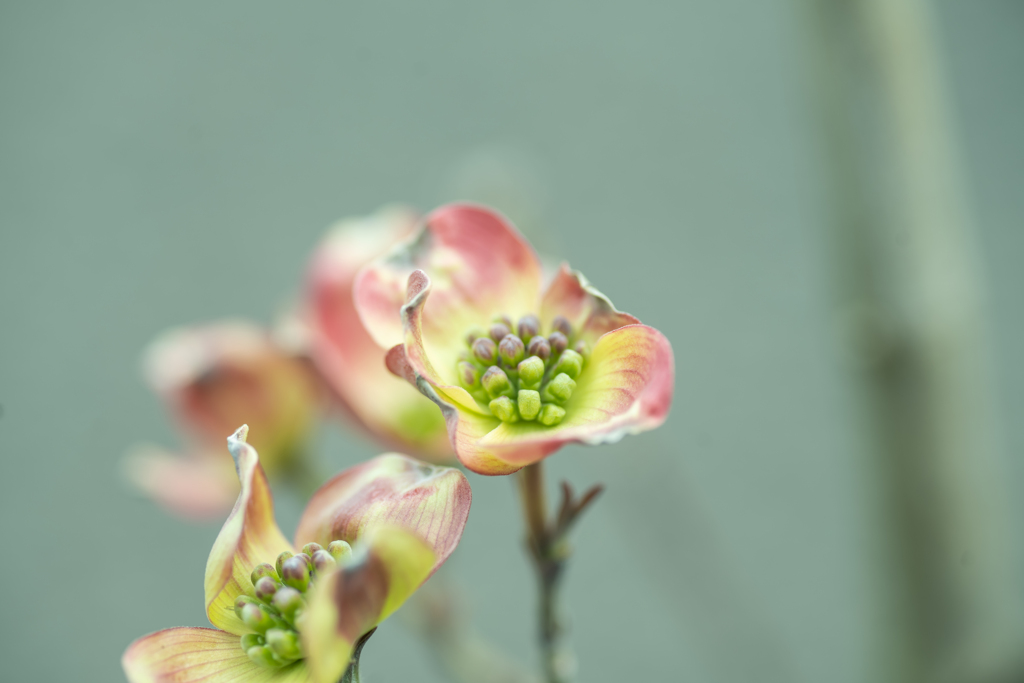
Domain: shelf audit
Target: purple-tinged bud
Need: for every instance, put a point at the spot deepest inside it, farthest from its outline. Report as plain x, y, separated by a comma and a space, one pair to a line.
265, 588
581, 347
496, 382
280, 561
262, 570
504, 320
529, 327
539, 347
339, 550
512, 350
570, 362
560, 388
485, 350
252, 640
558, 343
241, 601
323, 561
311, 548
499, 331
561, 324
468, 374
288, 601
473, 335
295, 572
531, 372
528, 403
551, 414
257, 618
284, 644
262, 655
307, 558
504, 409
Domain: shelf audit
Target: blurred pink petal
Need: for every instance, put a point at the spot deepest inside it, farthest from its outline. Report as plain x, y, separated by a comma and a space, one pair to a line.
197, 487
351, 362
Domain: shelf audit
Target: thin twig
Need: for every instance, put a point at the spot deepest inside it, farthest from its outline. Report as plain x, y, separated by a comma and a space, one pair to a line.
550, 552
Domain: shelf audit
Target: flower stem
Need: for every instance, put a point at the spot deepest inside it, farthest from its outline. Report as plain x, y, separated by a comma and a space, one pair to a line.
351, 674
535, 504
550, 551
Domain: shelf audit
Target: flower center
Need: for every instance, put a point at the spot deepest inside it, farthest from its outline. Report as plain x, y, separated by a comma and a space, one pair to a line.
523, 375
280, 599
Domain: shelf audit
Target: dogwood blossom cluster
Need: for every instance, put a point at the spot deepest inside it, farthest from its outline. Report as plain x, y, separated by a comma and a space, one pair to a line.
438, 336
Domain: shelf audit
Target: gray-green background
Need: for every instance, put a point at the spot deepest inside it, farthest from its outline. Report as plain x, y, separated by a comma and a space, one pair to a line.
164, 163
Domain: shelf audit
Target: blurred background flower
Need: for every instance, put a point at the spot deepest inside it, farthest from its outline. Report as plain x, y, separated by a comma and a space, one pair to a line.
210, 377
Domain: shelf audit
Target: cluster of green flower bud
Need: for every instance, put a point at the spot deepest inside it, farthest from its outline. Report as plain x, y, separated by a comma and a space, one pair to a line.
280, 597
523, 375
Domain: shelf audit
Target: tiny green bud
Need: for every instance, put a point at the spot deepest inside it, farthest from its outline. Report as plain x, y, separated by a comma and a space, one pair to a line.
561, 324
540, 347
485, 350
243, 600
468, 374
512, 350
295, 572
558, 342
265, 588
251, 640
551, 414
339, 550
288, 601
529, 403
473, 335
528, 327
504, 409
280, 561
581, 348
323, 561
496, 382
560, 388
262, 655
284, 643
571, 363
499, 331
257, 618
311, 548
531, 372
262, 570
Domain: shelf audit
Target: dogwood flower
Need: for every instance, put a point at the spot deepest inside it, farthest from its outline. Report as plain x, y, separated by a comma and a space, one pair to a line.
367, 540
517, 372
212, 378
349, 359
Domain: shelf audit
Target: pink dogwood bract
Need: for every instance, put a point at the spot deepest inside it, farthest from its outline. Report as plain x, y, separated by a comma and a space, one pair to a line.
367, 540
517, 370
